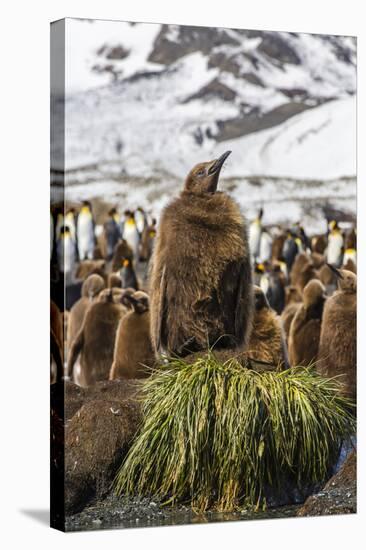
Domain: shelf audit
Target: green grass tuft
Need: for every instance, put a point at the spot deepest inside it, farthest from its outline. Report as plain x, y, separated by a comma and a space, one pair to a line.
218, 435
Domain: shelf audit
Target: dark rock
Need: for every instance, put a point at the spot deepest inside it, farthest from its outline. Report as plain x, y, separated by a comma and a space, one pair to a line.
253, 122
215, 88
252, 78
339, 495
226, 63
117, 52
274, 46
97, 438
166, 50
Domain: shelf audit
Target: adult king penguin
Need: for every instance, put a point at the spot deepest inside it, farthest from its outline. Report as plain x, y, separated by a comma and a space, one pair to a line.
66, 254
255, 233
334, 252
85, 232
131, 234
201, 278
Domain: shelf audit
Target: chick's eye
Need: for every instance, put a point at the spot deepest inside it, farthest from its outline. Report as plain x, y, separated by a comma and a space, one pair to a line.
201, 173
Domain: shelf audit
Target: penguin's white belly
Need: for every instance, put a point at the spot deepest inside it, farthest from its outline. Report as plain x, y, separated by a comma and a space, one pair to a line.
264, 284
334, 250
254, 238
66, 255
130, 234
265, 248
70, 223
140, 223
85, 238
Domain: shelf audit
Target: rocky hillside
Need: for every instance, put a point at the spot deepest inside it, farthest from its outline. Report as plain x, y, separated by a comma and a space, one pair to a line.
146, 101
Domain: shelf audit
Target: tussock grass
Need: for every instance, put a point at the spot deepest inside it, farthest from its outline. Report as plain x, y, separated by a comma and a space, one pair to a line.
218, 435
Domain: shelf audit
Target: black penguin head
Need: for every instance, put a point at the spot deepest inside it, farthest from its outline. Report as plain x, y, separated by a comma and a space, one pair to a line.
204, 177
65, 230
260, 300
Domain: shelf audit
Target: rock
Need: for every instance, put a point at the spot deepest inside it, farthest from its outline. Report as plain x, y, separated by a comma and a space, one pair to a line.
339, 495
97, 438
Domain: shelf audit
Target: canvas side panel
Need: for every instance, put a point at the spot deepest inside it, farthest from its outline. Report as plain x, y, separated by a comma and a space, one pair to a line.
57, 286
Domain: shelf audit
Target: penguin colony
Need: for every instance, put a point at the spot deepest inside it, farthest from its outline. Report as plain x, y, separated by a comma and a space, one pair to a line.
201, 276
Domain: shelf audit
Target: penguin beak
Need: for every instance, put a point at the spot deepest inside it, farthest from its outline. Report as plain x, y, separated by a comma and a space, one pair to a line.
336, 271
217, 164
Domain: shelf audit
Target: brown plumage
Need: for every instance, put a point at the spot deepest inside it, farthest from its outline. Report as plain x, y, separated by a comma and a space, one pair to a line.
266, 343
319, 244
277, 246
328, 278
56, 343
317, 259
114, 280
133, 352
95, 340
338, 339
92, 286
90, 267
303, 342
292, 295
308, 273
122, 252
287, 316
201, 281
302, 271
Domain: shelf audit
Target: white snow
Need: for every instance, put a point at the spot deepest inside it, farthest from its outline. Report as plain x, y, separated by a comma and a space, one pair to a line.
319, 143
84, 37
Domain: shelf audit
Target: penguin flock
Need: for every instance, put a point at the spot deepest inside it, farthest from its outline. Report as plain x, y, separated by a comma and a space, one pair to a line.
203, 277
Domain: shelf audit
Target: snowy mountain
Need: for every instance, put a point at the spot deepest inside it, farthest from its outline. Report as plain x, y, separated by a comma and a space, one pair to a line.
147, 101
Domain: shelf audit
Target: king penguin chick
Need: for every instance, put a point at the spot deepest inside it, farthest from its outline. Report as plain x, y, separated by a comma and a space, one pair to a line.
201, 277
133, 352
266, 342
128, 275
66, 254
131, 234
255, 233
90, 289
338, 338
95, 340
334, 252
85, 232
305, 327
287, 317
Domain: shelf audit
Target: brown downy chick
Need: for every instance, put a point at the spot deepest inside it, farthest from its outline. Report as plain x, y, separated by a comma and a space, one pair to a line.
133, 352
90, 289
338, 338
305, 327
201, 278
95, 339
266, 342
